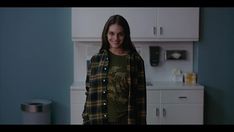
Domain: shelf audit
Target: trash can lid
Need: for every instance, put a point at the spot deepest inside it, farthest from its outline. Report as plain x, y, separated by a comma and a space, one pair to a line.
36, 105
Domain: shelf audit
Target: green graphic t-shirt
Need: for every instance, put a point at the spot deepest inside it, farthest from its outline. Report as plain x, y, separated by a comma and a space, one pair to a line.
118, 89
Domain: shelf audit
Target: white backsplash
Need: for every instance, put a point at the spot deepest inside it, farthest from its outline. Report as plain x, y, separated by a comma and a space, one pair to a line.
162, 72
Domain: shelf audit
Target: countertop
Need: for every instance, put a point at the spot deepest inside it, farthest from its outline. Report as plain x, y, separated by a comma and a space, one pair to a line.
150, 85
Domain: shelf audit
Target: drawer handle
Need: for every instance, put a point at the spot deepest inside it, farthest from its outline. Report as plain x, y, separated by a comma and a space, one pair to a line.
182, 97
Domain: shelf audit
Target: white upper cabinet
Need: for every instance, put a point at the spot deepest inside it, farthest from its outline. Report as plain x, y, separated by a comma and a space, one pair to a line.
88, 23
141, 21
146, 24
178, 23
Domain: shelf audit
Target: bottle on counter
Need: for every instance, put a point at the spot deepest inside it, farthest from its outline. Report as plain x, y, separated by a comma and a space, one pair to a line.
190, 78
177, 75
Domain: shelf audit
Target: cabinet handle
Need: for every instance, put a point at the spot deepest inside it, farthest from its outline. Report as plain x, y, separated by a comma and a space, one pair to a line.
164, 112
154, 30
160, 31
157, 112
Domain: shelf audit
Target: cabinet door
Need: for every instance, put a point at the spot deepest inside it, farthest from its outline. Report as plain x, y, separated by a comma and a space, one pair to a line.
77, 105
76, 113
178, 23
142, 21
153, 114
182, 114
88, 23
153, 107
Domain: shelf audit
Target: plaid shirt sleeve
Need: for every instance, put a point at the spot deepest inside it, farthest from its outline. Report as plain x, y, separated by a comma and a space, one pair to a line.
141, 92
87, 86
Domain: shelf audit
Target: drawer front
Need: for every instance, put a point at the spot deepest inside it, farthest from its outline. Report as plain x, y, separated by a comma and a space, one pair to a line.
78, 97
153, 96
182, 96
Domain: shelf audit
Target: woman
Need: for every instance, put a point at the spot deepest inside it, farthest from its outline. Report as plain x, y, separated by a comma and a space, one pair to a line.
115, 82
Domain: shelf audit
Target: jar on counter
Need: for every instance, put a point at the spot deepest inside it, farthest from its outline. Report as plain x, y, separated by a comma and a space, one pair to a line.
190, 78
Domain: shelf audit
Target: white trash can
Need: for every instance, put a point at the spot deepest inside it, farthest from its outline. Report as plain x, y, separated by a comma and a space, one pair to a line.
37, 111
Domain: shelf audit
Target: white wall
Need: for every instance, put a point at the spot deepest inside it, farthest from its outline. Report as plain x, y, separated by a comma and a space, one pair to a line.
163, 72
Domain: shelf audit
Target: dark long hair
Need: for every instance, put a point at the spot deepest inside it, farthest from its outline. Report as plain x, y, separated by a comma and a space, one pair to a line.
127, 43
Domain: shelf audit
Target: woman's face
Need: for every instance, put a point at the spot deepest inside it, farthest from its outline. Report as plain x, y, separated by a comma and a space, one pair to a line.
115, 36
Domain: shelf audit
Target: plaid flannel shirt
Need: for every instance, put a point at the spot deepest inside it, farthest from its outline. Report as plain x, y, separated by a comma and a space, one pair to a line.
95, 107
